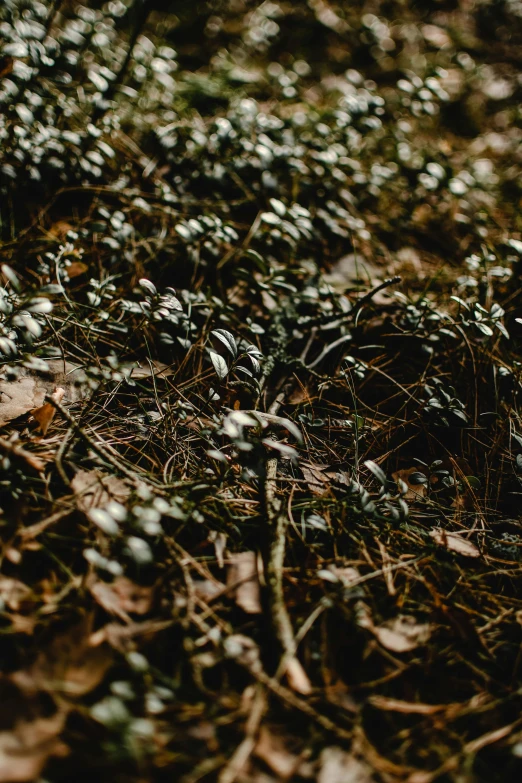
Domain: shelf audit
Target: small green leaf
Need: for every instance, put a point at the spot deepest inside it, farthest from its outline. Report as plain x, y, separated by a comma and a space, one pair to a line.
484, 328
460, 301
227, 339
220, 365
11, 276
147, 286
417, 478
378, 472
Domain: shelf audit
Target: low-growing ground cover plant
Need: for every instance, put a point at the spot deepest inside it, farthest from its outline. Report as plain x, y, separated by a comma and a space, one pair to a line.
260, 373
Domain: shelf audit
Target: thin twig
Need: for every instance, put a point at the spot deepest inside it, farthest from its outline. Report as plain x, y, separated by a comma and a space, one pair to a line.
278, 524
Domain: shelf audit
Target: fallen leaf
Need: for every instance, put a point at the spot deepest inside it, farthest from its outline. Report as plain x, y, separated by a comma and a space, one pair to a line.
299, 395
455, 543
95, 489
270, 748
25, 749
415, 491
242, 575
68, 665
316, 480
75, 269
60, 229
123, 597
400, 634
27, 392
45, 414
18, 398
338, 766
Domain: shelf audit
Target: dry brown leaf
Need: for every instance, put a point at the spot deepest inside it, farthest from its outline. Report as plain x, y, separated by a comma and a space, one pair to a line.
19, 397
316, 480
299, 395
45, 414
69, 665
270, 748
455, 543
400, 634
338, 766
75, 269
415, 491
95, 489
27, 392
123, 597
60, 229
242, 573
25, 749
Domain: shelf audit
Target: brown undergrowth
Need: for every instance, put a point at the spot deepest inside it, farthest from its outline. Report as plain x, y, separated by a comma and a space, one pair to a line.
261, 448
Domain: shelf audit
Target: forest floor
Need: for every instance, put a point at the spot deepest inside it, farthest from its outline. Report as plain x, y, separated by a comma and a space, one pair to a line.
261, 452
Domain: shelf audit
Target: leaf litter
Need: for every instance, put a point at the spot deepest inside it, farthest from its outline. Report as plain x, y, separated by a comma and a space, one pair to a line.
323, 412
26, 393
